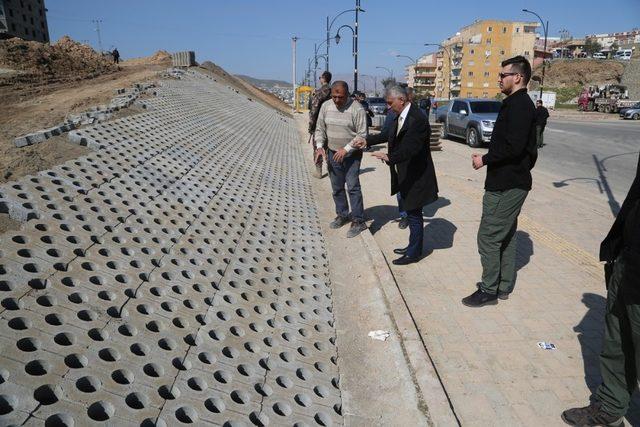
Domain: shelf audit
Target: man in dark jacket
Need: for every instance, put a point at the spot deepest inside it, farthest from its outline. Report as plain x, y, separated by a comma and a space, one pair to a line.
542, 114
412, 172
319, 96
512, 154
620, 356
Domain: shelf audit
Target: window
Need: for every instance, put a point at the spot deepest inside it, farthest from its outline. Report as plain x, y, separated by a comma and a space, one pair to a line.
486, 74
517, 29
485, 84
485, 94
490, 29
487, 52
11, 12
470, 84
486, 107
29, 7
526, 53
471, 63
504, 30
33, 33
24, 18
472, 51
13, 27
457, 106
469, 94
31, 21
488, 41
502, 52
470, 74
42, 25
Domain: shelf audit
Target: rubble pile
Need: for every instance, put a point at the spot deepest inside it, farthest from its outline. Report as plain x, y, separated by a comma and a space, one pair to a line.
65, 60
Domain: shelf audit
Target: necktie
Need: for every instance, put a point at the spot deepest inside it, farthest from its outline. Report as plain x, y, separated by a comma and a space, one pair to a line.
400, 122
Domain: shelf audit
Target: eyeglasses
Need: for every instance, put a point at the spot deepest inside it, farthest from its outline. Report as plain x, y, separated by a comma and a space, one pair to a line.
503, 75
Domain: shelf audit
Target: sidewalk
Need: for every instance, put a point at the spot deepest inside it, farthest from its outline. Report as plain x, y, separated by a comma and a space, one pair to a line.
488, 358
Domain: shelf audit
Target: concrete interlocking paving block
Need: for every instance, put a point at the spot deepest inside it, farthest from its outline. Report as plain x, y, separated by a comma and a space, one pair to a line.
175, 275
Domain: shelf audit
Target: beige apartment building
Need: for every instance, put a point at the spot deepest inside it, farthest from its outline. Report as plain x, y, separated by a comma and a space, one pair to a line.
471, 58
422, 76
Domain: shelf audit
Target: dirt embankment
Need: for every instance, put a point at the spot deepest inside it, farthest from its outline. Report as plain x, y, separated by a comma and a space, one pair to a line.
581, 72
48, 83
248, 89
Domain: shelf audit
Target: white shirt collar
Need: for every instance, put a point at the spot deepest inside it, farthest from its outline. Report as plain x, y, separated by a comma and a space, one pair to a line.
403, 114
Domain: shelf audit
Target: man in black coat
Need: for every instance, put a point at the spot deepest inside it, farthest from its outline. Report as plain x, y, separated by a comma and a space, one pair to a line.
412, 172
542, 114
620, 355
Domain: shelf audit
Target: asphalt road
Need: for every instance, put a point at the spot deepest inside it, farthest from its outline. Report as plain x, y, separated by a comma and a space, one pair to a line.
600, 157
597, 159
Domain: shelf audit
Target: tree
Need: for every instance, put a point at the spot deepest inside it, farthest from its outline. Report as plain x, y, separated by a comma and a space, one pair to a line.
389, 81
591, 46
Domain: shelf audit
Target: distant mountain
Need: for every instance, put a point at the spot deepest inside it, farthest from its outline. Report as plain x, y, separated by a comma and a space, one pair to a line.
263, 82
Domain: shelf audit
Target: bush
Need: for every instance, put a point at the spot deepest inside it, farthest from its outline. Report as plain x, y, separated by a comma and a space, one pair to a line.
564, 94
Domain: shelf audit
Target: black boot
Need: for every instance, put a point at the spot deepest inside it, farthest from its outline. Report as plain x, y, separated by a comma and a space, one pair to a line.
592, 415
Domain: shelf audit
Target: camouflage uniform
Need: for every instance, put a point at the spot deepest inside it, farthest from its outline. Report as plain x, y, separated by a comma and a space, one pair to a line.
322, 94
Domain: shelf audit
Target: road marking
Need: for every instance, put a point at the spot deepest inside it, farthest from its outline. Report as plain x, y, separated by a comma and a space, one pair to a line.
538, 233
568, 132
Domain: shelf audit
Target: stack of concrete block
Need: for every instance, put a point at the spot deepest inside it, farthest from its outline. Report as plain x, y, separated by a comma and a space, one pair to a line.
185, 58
96, 114
436, 134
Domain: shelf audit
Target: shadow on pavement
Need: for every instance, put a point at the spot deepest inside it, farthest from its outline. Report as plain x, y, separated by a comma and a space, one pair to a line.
590, 334
438, 234
524, 249
382, 214
365, 170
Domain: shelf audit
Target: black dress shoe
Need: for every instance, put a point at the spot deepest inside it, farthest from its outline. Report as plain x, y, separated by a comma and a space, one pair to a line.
404, 260
403, 223
400, 251
480, 298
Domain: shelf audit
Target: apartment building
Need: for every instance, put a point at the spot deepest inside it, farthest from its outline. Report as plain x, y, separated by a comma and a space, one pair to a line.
472, 57
622, 39
422, 76
26, 19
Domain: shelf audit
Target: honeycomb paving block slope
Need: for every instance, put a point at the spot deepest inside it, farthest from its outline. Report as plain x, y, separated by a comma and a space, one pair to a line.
175, 275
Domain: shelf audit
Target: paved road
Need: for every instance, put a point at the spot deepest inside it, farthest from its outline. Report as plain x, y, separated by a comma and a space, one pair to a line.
603, 155
598, 158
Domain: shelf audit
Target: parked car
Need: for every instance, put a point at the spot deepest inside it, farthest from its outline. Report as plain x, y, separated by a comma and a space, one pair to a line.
440, 109
623, 54
631, 113
377, 105
472, 119
599, 55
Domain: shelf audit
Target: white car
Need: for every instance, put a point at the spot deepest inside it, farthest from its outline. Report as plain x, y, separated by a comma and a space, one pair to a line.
599, 55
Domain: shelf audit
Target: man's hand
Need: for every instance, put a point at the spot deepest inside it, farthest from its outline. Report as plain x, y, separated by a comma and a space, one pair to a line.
359, 142
476, 161
339, 156
320, 153
381, 156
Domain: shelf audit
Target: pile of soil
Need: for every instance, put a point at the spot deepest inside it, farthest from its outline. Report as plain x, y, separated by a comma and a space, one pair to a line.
161, 57
65, 60
581, 72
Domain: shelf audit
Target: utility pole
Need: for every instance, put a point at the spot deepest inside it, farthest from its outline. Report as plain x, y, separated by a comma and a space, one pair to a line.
294, 39
355, 49
97, 22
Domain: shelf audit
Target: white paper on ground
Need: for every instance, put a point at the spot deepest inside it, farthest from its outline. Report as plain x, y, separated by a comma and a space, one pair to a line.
379, 335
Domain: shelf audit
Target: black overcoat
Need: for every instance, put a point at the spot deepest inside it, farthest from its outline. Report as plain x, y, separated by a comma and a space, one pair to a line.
412, 171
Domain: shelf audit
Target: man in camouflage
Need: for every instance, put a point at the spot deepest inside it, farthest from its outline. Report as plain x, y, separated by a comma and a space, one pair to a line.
320, 95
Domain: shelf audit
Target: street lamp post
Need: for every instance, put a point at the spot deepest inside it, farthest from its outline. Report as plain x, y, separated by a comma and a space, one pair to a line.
375, 83
354, 52
388, 70
544, 53
445, 49
330, 25
415, 66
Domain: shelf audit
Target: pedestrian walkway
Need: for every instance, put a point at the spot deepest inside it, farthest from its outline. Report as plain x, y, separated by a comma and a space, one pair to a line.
488, 358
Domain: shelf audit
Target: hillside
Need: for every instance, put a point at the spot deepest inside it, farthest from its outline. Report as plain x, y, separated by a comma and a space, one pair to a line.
263, 82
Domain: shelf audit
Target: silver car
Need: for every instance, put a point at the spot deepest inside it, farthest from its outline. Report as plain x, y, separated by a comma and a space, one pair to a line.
377, 105
472, 119
631, 113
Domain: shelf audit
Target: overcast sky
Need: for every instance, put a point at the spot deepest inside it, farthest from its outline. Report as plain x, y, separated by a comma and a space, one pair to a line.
253, 37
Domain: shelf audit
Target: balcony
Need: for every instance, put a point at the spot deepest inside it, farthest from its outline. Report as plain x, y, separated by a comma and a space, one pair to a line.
424, 74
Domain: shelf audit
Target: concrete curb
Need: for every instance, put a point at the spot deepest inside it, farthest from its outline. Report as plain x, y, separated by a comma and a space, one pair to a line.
426, 377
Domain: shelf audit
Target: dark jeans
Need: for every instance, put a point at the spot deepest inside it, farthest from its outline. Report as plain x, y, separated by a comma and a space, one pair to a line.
403, 213
416, 232
620, 356
346, 173
540, 135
